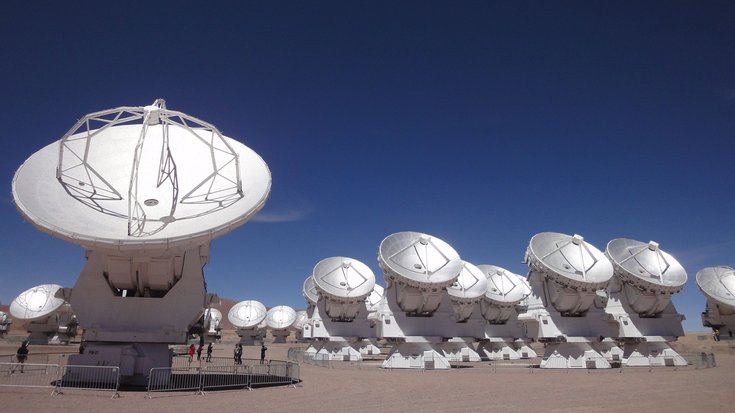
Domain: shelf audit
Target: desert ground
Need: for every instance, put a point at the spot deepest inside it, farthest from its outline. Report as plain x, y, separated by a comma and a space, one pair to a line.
484, 386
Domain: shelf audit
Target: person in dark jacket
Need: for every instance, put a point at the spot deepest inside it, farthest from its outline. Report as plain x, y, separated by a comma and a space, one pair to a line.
22, 355
209, 352
263, 348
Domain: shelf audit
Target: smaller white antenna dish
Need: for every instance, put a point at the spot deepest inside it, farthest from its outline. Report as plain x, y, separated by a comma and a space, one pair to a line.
37, 302
467, 291
504, 287
420, 267
344, 283
213, 314
470, 285
342, 278
280, 317
247, 314
718, 283
301, 319
373, 300
3, 317
419, 260
569, 260
646, 266
310, 292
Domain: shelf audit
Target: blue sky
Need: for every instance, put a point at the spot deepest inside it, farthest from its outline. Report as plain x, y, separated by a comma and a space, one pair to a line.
481, 123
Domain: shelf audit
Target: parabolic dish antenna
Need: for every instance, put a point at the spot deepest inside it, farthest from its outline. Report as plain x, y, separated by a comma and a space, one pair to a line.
646, 266
37, 302
504, 287
343, 277
141, 178
569, 260
280, 317
419, 260
718, 283
247, 314
311, 294
373, 300
301, 318
213, 314
3, 317
470, 284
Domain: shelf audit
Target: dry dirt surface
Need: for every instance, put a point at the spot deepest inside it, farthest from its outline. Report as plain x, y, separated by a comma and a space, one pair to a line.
481, 387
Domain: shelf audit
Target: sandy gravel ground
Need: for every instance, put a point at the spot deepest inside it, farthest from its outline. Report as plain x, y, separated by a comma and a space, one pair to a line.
478, 388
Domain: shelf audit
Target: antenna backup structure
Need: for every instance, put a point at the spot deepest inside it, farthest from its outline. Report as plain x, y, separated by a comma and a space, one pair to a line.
248, 317
565, 309
338, 323
639, 306
718, 285
144, 190
48, 319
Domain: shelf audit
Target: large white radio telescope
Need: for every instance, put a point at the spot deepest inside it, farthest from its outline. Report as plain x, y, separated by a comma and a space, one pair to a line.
575, 268
650, 274
144, 189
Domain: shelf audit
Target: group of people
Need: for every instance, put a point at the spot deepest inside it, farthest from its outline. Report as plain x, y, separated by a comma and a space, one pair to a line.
198, 350
237, 354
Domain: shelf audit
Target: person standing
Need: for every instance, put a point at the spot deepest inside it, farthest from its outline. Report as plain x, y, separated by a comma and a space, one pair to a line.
199, 351
22, 355
209, 352
191, 352
263, 348
238, 353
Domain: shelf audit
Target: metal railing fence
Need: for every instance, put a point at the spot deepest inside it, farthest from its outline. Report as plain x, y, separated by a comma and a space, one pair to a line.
214, 376
98, 378
32, 375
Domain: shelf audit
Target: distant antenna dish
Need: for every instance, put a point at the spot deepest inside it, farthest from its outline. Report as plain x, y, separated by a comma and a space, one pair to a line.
504, 287
310, 292
718, 283
470, 285
646, 266
343, 278
569, 260
36, 303
280, 317
301, 318
3, 317
213, 314
141, 178
247, 314
465, 293
373, 300
419, 260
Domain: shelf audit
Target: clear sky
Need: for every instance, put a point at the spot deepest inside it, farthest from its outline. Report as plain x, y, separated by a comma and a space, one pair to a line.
481, 123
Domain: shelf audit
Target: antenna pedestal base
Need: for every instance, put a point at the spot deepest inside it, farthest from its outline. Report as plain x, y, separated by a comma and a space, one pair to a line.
651, 354
416, 355
459, 349
573, 355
